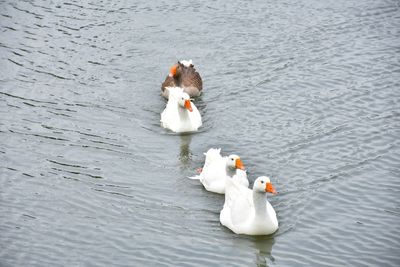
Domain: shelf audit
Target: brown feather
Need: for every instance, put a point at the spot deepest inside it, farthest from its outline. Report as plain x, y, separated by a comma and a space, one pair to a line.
187, 78
169, 82
191, 78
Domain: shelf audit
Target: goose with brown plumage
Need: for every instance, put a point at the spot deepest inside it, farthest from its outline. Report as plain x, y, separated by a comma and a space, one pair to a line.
184, 75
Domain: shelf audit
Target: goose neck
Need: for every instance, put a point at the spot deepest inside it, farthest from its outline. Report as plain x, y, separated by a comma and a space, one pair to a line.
260, 203
183, 112
230, 171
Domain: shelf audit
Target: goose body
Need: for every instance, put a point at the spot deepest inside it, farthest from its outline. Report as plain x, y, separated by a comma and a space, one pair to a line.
218, 169
248, 211
180, 115
184, 75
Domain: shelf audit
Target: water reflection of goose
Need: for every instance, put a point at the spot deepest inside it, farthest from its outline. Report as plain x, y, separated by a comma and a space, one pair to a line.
185, 153
264, 246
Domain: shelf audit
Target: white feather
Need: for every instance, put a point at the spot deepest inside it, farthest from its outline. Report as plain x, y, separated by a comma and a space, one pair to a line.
186, 63
177, 119
214, 176
243, 215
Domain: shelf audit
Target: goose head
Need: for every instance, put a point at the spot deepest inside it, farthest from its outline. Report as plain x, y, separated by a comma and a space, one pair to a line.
184, 101
233, 163
175, 70
263, 184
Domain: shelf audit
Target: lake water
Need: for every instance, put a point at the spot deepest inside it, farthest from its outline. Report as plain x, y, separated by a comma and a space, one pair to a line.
306, 92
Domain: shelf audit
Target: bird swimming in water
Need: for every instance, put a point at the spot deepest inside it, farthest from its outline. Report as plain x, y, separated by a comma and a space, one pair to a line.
183, 74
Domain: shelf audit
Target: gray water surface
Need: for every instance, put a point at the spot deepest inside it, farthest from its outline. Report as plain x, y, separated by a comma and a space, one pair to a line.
306, 92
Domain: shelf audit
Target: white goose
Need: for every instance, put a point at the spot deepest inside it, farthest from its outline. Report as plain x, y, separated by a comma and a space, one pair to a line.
218, 169
180, 115
248, 211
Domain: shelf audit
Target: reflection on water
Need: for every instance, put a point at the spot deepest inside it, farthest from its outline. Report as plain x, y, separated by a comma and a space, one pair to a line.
185, 154
264, 246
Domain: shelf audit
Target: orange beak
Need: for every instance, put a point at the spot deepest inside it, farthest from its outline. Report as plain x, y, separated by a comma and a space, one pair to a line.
172, 71
239, 164
270, 188
188, 105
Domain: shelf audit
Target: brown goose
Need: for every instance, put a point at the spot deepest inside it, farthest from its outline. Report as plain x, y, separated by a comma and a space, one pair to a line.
184, 75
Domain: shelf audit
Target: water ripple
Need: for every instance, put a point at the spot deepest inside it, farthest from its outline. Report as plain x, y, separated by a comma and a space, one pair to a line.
305, 92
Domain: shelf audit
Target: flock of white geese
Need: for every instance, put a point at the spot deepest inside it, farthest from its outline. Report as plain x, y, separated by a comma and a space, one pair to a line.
245, 211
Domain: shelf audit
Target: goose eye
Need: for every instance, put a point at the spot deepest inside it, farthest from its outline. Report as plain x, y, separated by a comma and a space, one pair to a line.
262, 182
